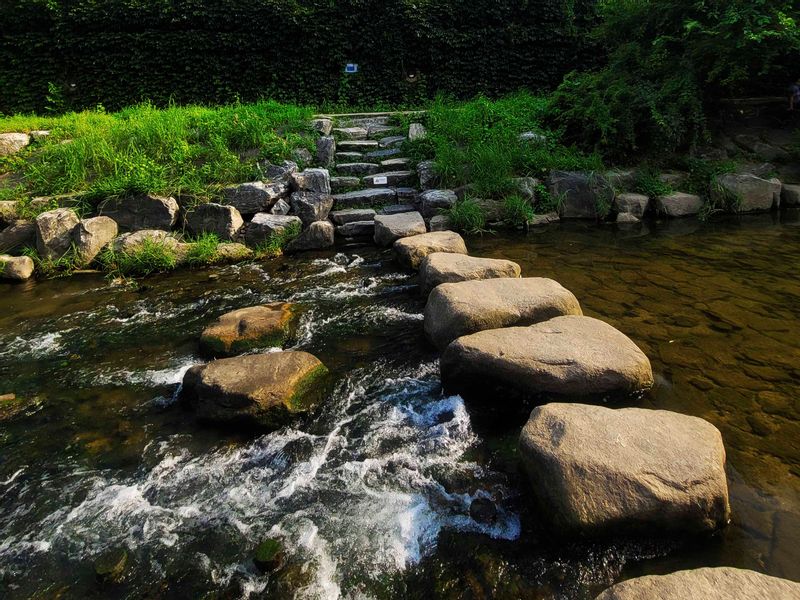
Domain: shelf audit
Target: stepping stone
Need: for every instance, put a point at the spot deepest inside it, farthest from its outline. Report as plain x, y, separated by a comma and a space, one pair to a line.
380, 155
458, 309
390, 228
344, 184
396, 209
357, 229
391, 179
357, 169
721, 583
349, 157
239, 331
367, 122
440, 267
357, 145
569, 356
362, 198
396, 163
392, 141
598, 470
16, 268
350, 133
262, 390
411, 251
679, 205
352, 215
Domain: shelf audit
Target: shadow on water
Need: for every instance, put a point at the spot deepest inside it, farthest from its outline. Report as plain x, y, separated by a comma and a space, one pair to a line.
390, 489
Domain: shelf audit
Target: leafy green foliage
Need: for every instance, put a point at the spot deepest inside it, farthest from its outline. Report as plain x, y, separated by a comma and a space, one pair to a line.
277, 242
150, 256
468, 216
649, 183
517, 210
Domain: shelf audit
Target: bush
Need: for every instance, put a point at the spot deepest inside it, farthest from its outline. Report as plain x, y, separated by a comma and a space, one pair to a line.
517, 210
467, 215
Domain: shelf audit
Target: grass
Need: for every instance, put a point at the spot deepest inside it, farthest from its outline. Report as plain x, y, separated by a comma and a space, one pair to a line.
517, 210
649, 184
50, 268
277, 242
150, 256
468, 216
172, 151
203, 250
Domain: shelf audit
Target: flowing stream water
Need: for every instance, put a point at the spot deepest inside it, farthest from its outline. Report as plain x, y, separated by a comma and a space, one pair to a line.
372, 493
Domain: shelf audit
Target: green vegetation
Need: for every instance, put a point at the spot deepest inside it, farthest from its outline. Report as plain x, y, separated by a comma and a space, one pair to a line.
517, 210
467, 215
50, 268
648, 182
178, 150
150, 256
203, 250
277, 242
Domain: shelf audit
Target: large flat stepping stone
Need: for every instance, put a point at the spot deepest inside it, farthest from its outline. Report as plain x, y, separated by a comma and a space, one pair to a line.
596, 470
411, 251
458, 309
389, 178
358, 145
358, 169
262, 390
390, 228
567, 356
440, 267
722, 583
364, 198
247, 328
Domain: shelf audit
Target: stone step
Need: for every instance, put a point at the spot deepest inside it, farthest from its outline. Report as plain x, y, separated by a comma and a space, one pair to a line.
376, 132
380, 155
352, 215
344, 184
389, 178
365, 122
393, 141
396, 209
407, 194
358, 145
350, 133
348, 157
357, 229
396, 163
362, 198
359, 169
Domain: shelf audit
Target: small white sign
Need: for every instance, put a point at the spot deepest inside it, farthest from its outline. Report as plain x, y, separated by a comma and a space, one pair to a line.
380, 180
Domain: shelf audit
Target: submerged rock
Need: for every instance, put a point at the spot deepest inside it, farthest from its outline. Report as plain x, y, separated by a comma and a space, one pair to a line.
411, 251
247, 328
722, 583
91, 236
269, 555
597, 470
263, 390
223, 221
441, 267
110, 565
459, 309
16, 268
144, 211
54, 232
569, 355
390, 228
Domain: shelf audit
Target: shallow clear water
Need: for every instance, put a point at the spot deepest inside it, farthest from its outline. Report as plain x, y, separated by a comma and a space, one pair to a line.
372, 492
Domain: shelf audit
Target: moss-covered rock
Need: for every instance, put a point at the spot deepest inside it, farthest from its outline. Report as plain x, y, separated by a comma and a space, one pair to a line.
270, 325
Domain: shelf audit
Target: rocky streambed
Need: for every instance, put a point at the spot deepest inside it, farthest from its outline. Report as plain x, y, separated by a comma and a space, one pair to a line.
391, 488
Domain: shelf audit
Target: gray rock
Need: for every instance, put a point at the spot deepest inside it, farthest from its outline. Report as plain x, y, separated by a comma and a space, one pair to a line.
318, 236
545, 219
389, 179
357, 169
526, 187
622, 179
533, 137
302, 156
790, 195
397, 209
379, 131
311, 206
11, 143
351, 133
352, 215
406, 194
265, 225
598, 470
634, 204
326, 151
428, 178
357, 229
627, 218
349, 157
340, 185
569, 356
440, 223
390, 228
393, 141
583, 194
254, 197
54, 232
278, 173
281, 207
91, 236
322, 125
417, 131
432, 202
401, 164
379, 155
223, 221
357, 145
39, 135
311, 180
679, 204
263, 389
674, 179
360, 198
440, 267
748, 192
722, 583
17, 235
8, 212
460, 309
770, 153
144, 211
411, 251
130, 242
16, 268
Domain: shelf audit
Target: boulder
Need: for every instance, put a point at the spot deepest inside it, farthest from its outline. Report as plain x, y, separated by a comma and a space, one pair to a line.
458, 309
526, 187
417, 131
54, 232
219, 219
318, 236
357, 229
632, 204
17, 235
264, 225
8, 212
622, 179
360, 198
790, 195
598, 470
16, 268
229, 253
326, 151
748, 193
91, 236
340, 185
441, 267
322, 125
311, 206
255, 197
426, 171
11, 143
440, 223
570, 355
278, 173
770, 153
242, 330
627, 219
389, 178
144, 211
357, 169
679, 204
432, 202
311, 180
302, 156
721, 583
281, 207
390, 228
131, 242
582, 194
352, 215
411, 251
545, 219
263, 390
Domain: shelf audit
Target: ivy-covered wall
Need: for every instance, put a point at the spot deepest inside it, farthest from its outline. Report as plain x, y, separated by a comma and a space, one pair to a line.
80, 53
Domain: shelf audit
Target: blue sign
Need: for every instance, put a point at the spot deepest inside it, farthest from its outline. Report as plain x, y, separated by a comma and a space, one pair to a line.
351, 68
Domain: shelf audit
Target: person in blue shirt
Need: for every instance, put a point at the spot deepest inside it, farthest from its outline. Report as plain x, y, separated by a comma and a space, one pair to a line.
794, 95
